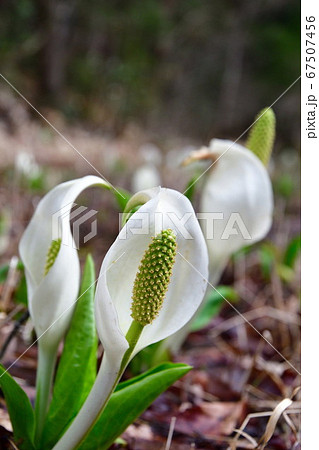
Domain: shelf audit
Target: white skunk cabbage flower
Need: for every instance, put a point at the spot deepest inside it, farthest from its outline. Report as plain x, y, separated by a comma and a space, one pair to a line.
236, 208
237, 200
26, 165
236, 204
145, 177
150, 154
147, 290
51, 262
52, 270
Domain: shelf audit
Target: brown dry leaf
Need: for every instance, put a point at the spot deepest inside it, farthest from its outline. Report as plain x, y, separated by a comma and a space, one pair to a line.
272, 423
210, 419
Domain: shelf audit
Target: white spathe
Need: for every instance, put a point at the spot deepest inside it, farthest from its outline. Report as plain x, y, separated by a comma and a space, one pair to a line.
238, 189
162, 209
51, 297
236, 208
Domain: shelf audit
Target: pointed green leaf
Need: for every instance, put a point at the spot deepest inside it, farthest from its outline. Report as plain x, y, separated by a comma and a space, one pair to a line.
191, 186
128, 402
213, 305
149, 357
292, 251
20, 411
4, 272
77, 368
268, 258
122, 197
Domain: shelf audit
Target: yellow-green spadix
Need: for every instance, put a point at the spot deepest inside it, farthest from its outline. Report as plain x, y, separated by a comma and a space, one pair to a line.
153, 277
262, 135
126, 292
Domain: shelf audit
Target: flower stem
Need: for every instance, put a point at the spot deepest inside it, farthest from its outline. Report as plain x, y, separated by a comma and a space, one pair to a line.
132, 336
45, 371
99, 395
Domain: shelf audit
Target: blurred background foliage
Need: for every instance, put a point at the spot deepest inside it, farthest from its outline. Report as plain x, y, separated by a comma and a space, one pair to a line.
197, 68
139, 84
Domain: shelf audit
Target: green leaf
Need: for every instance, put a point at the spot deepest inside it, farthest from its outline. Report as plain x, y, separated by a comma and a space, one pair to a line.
213, 305
190, 188
77, 368
149, 357
284, 185
20, 294
268, 259
122, 197
20, 411
292, 252
4, 272
128, 402
285, 273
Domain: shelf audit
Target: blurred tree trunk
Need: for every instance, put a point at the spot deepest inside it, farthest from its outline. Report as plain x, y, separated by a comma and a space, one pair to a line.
231, 80
239, 19
55, 21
